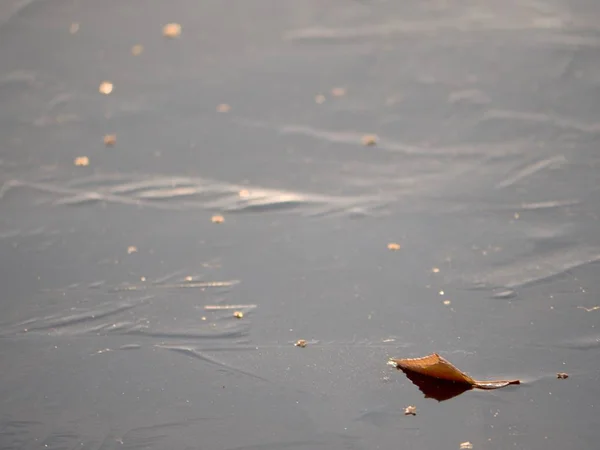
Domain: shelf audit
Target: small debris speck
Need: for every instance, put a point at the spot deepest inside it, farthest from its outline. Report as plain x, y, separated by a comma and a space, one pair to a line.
244, 193
223, 108
137, 50
466, 446
131, 249
435, 270
74, 28
393, 246
238, 314
320, 99
82, 161
338, 92
410, 411
369, 140
217, 219
106, 87
447, 302
172, 30
562, 376
110, 140
300, 343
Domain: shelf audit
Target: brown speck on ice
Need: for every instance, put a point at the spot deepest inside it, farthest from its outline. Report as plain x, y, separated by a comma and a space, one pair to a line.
82, 161
393, 246
338, 92
562, 376
369, 140
410, 411
110, 140
217, 219
466, 446
300, 343
223, 108
106, 87
131, 249
435, 270
137, 50
244, 193
172, 30
238, 314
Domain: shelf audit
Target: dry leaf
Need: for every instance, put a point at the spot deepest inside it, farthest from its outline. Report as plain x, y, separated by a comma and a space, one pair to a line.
238, 314
466, 446
435, 366
562, 375
110, 140
393, 246
82, 161
137, 50
300, 343
410, 411
217, 219
369, 140
172, 30
106, 87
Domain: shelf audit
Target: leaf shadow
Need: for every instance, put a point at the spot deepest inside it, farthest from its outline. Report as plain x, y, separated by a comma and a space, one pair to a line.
440, 390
